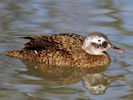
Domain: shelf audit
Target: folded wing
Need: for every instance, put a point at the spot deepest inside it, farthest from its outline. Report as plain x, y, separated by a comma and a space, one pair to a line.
65, 41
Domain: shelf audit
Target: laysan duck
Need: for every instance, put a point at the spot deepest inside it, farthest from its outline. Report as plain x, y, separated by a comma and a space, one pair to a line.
65, 49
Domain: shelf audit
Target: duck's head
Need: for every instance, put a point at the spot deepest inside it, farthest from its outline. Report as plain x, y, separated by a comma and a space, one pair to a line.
96, 43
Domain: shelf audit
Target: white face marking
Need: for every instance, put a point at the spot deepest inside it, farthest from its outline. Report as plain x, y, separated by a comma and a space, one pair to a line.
95, 39
98, 40
90, 49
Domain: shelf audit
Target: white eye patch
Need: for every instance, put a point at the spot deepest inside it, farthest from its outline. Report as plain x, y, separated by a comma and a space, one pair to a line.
94, 39
97, 39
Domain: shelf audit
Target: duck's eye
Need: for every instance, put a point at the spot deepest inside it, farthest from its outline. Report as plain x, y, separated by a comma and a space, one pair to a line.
99, 40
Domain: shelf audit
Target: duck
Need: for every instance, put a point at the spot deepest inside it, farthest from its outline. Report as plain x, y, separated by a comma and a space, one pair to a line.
65, 49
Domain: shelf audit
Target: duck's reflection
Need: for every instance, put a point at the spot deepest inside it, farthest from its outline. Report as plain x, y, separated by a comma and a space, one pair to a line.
93, 79
98, 83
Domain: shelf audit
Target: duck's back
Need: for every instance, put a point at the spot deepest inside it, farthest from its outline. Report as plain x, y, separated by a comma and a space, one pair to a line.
62, 45
64, 41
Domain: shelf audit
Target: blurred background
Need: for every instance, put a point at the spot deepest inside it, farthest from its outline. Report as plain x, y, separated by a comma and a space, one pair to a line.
29, 17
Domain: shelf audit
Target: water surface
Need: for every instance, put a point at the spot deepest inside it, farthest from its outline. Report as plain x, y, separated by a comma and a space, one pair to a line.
28, 17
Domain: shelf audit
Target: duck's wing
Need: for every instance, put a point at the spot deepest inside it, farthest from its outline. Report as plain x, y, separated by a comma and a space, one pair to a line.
38, 42
65, 41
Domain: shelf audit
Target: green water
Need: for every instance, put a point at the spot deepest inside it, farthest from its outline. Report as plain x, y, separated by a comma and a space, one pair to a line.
22, 81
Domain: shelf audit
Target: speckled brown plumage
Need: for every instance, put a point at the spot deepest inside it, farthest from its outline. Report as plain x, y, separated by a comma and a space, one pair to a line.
59, 49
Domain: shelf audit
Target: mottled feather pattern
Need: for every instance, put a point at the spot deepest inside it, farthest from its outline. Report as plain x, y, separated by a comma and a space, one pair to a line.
62, 49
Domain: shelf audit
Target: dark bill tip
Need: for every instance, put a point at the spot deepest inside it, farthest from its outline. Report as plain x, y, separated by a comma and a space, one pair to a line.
116, 49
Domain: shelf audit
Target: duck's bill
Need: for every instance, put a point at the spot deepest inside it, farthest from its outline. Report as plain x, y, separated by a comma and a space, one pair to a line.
116, 49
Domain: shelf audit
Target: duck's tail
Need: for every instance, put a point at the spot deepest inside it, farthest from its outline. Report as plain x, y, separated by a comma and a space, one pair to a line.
16, 54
